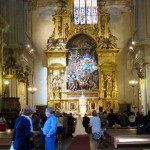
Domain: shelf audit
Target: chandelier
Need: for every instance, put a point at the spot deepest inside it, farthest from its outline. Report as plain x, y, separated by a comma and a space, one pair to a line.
133, 82
32, 90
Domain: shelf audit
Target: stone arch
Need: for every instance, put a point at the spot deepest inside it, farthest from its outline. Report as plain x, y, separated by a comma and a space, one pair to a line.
82, 37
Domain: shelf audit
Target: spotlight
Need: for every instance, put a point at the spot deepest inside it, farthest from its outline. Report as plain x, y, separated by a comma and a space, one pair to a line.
28, 45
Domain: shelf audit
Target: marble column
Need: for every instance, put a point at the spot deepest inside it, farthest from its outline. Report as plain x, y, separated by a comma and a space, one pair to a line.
142, 100
3, 28
148, 86
1, 62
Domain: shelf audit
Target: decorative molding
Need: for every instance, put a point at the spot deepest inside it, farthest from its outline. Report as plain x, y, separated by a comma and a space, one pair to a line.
119, 2
35, 4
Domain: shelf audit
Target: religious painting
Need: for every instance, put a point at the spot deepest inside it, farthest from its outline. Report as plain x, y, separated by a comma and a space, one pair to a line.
93, 106
57, 106
82, 67
63, 106
72, 106
56, 83
108, 105
108, 81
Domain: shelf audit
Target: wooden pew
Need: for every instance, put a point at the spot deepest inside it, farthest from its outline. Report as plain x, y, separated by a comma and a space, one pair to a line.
6, 139
132, 140
119, 136
110, 133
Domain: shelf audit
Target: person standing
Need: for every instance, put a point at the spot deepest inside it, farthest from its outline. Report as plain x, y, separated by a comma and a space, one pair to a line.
79, 129
23, 131
70, 125
85, 122
59, 128
95, 123
49, 129
36, 121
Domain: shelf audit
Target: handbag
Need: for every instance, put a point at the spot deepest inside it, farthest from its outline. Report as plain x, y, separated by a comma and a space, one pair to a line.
12, 147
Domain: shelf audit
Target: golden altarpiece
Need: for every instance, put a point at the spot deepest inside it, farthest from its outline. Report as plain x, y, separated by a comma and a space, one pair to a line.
82, 59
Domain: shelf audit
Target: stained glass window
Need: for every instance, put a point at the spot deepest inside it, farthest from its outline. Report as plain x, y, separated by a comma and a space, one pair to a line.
85, 12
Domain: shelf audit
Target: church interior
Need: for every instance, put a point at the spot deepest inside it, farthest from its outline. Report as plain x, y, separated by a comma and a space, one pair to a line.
75, 56
50, 57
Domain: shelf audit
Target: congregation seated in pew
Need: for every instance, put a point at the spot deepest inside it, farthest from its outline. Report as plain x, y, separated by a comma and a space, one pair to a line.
2, 123
145, 128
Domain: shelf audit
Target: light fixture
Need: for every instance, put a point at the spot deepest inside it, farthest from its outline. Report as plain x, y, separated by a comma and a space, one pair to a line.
6, 88
133, 82
28, 45
131, 47
32, 90
133, 42
6, 82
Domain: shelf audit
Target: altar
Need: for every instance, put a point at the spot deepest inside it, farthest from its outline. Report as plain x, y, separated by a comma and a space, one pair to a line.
81, 58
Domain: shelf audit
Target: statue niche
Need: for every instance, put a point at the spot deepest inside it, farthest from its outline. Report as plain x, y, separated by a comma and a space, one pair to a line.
82, 70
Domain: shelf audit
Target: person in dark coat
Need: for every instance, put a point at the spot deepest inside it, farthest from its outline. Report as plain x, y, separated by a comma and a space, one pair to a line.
85, 122
111, 118
70, 125
36, 122
145, 128
23, 131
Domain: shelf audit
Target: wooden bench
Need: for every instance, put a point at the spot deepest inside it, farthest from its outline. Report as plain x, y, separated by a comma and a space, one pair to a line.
126, 136
131, 140
110, 133
6, 139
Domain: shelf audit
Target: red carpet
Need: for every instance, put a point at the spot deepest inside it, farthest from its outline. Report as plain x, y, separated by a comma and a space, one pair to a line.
80, 142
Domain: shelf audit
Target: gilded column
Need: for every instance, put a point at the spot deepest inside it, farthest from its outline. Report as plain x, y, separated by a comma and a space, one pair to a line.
50, 81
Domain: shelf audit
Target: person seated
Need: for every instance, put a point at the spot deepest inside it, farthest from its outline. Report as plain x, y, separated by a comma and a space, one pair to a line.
2, 123
132, 118
145, 128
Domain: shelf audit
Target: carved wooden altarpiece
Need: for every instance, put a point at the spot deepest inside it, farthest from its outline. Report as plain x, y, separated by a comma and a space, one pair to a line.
82, 58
